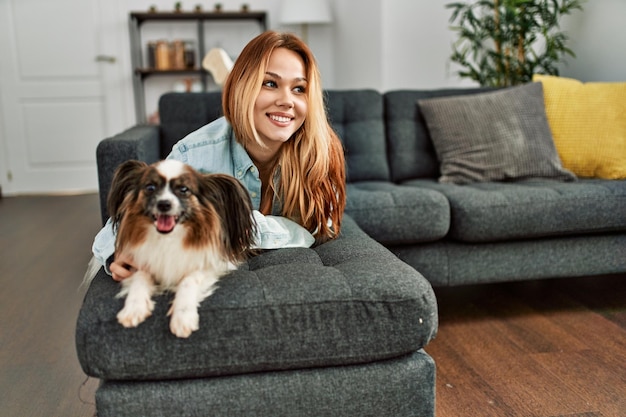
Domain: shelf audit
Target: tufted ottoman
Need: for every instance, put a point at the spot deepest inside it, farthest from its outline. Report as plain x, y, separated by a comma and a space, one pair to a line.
336, 330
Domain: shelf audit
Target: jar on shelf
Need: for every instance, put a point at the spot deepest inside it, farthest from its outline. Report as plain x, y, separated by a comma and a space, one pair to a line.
163, 55
151, 54
190, 54
178, 54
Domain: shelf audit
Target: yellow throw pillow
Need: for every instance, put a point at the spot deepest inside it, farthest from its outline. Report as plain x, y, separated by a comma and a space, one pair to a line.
588, 123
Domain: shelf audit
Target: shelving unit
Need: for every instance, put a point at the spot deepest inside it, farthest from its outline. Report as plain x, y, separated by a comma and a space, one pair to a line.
141, 71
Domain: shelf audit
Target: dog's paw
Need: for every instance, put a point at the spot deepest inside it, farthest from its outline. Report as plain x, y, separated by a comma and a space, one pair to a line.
184, 322
135, 312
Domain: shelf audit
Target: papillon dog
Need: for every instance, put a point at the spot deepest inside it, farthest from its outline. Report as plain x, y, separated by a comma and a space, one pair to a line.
183, 230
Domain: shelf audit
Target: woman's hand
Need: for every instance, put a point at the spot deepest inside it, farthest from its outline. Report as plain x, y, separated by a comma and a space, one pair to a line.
122, 267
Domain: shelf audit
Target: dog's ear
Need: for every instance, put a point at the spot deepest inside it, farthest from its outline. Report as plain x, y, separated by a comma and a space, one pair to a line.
232, 202
125, 180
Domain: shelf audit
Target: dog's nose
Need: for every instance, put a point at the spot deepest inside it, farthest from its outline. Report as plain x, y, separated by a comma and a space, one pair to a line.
164, 205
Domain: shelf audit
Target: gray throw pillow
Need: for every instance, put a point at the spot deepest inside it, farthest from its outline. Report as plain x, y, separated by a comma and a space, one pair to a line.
495, 136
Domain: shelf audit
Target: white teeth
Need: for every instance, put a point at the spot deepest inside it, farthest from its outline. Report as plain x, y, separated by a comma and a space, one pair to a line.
280, 119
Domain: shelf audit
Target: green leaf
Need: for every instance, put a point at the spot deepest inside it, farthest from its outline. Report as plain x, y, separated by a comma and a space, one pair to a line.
488, 47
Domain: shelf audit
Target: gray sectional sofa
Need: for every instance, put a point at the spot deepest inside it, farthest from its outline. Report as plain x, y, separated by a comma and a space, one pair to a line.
474, 233
340, 329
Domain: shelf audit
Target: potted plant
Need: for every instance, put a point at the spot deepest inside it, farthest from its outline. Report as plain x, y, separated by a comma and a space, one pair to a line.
504, 42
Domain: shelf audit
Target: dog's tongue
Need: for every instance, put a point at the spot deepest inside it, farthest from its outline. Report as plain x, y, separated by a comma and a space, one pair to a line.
165, 224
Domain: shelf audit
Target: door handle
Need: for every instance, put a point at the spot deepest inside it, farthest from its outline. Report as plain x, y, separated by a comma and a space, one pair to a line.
106, 58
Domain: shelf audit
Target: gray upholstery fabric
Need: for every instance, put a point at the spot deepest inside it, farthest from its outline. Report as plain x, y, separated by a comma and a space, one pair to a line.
344, 302
182, 113
400, 387
357, 117
493, 136
411, 152
335, 330
392, 213
535, 208
138, 142
449, 263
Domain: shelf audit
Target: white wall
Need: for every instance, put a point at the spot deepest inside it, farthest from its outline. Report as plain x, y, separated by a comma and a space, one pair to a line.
395, 44
357, 44
3, 151
417, 47
597, 36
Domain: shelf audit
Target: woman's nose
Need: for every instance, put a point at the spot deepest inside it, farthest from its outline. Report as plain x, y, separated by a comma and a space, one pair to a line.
285, 99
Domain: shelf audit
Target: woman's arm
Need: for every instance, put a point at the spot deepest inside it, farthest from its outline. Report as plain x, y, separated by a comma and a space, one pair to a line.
273, 232
103, 250
103, 246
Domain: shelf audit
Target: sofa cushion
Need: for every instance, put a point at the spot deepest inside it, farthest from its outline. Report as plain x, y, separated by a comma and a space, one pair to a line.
450, 262
496, 211
410, 149
588, 122
357, 117
398, 387
493, 136
345, 302
182, 113
395, 214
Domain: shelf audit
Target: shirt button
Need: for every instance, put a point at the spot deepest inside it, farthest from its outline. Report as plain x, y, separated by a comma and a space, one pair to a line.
253, 194
239, 173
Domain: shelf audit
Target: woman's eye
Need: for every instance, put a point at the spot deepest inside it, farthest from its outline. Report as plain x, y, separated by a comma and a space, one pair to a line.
300, 89
270, 84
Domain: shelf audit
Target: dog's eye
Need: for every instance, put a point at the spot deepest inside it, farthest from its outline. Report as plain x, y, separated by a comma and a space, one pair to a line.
150, 188
183, 190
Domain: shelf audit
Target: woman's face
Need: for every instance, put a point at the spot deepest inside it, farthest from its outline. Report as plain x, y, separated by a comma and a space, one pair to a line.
281, 105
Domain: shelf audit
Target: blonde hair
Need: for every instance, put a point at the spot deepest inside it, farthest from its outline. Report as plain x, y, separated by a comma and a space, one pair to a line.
311, 162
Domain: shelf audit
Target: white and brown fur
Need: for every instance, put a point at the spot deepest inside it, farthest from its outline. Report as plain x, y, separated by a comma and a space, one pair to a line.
183, 230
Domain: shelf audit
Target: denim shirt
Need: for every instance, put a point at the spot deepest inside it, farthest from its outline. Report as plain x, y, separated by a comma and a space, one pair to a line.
214, 149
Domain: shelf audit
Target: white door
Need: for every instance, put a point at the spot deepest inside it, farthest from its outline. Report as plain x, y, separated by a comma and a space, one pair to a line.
58, 69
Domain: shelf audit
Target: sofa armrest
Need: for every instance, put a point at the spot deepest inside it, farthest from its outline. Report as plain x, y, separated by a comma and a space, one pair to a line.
139, 142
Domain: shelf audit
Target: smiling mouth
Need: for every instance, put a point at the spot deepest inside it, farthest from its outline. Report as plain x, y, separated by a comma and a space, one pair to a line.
280, 119
165, 223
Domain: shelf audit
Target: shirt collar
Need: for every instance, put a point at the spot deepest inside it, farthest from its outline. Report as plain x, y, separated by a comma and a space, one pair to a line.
241, 160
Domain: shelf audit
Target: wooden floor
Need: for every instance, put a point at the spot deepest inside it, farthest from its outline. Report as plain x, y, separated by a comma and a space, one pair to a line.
541, 349
44, 248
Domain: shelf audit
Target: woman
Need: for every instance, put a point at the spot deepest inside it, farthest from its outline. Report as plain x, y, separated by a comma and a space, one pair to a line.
276, 139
